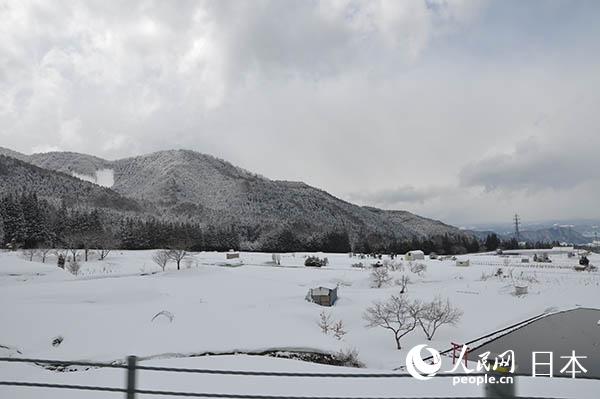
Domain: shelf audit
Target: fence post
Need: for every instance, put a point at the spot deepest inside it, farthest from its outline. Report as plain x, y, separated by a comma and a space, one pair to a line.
131, 363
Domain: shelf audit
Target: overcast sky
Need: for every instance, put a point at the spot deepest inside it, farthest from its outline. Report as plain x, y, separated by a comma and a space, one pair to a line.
463, 111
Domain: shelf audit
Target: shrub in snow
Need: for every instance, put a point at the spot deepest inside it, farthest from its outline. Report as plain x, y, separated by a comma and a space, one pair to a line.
324, 322
380, 277
349, 358
315, 261
276, 259
338, 329
358, 265
418, 268
396, 314
56, 341
435, 314
73, 267
393, 265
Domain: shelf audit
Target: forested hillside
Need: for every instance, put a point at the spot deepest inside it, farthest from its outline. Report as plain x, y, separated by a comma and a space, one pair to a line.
226, 205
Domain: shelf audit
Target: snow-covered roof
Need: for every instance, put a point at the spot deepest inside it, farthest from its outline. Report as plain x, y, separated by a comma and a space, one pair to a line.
415, 252
321, 290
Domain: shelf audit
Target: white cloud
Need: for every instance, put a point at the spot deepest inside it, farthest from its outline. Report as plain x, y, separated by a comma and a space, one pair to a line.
416, 104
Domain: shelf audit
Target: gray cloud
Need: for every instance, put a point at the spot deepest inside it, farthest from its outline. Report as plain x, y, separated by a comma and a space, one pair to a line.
353, 97
554, 159
389, 198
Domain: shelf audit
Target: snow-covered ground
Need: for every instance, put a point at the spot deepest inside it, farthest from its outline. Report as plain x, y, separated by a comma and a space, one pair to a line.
105, 313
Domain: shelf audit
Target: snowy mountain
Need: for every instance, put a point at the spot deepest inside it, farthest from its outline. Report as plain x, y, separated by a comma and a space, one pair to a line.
188, 185
18, 177
551, 234
544, 234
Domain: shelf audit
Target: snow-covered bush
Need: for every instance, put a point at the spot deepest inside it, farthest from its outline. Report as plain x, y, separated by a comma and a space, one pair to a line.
418, 268
393, 265
349, 358
73, 266
358, 265
315, 261
276, 259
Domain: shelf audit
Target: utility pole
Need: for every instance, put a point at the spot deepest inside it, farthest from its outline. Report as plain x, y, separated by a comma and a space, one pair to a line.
517, 223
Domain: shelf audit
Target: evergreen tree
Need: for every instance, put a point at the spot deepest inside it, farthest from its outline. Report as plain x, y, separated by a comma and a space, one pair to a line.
492, 242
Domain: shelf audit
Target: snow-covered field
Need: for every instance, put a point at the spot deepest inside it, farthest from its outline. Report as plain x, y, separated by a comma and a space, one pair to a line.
105, 313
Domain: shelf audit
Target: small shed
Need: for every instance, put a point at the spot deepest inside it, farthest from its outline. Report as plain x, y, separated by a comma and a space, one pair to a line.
323, 296
414, 255
520, 290
232, 255
463, 262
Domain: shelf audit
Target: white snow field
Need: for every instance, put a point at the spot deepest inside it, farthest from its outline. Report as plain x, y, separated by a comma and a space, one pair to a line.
105, 314
102, 177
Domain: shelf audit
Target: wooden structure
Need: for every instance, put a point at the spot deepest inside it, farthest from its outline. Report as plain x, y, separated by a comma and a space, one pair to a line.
323, 296
520, 290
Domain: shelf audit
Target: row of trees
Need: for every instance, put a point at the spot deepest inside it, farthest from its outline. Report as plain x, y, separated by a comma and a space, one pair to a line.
441, 244
492, 242
27, 221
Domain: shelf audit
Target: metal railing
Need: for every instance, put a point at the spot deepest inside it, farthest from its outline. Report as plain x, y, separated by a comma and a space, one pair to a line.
131, 367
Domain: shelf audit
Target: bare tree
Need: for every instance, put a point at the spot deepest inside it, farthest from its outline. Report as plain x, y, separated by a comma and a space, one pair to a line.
161, 258
396, 314
106, 242
338, 329
324, 322
177, 255
74, 253
103, 253
403, 283
30, 253
437, 313
380, 277
44, 252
